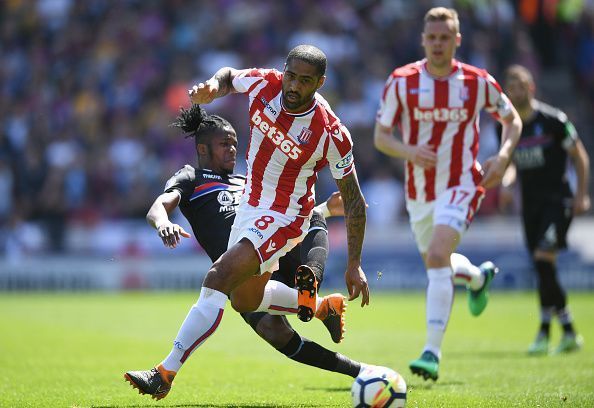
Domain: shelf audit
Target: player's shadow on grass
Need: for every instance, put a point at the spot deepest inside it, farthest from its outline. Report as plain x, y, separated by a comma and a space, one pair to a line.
431, 384
221, 405
328, 389
489, 355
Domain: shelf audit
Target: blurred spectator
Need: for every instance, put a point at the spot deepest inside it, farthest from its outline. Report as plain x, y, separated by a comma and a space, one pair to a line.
88, 88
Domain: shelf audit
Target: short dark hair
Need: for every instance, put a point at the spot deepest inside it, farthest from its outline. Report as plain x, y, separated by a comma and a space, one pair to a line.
310, 54
519, 72
196, 123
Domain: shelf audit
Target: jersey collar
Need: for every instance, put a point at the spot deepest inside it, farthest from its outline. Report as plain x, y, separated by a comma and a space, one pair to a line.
305, 112
453, 69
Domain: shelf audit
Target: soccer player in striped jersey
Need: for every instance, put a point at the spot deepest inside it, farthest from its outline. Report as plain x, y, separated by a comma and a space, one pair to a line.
548, 205
208, 197
435, 104
293, 135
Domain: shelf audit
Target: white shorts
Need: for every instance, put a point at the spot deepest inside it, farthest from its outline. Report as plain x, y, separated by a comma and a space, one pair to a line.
455, 207
273, 234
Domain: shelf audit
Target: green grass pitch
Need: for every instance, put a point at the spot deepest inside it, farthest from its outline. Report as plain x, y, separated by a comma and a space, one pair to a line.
71, 350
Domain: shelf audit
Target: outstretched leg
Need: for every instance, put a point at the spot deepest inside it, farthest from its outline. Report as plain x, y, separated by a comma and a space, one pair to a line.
277, 332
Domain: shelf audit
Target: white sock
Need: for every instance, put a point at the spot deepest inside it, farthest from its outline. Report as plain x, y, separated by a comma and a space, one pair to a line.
202, 321
440, 296
465, 273
280, 299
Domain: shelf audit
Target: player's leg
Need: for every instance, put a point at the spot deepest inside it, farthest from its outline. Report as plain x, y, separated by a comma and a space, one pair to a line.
277, 331
477, 280
230, 270
440, 295
251, 251
315, 246
456, 207
551, 236
313, 255
553, 300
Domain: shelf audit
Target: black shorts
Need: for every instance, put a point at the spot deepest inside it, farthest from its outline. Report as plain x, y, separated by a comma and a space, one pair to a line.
546, 224
289, 263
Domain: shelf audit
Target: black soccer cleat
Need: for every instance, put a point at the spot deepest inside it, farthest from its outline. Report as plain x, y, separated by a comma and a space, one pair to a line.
307, 286
155, 382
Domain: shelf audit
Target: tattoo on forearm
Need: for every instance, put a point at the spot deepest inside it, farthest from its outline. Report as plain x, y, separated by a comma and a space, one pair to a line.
224, 78
354, 213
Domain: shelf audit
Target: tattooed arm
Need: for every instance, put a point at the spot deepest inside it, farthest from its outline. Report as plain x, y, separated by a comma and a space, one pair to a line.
355, 219
218, 86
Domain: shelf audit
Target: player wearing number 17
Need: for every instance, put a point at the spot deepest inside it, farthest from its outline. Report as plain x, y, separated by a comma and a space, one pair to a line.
435, 103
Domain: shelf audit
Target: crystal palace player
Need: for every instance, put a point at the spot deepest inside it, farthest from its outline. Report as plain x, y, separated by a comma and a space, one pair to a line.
540, 160
293, 135
435, 103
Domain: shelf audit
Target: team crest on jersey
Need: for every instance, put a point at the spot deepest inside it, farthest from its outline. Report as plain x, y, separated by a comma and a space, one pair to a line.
464, 95
225, 198
304, 136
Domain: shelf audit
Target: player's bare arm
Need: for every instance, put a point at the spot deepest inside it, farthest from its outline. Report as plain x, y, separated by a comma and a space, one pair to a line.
385, 141
355, 219
219, 85
158, 218
506, 191
579, 157
494, 167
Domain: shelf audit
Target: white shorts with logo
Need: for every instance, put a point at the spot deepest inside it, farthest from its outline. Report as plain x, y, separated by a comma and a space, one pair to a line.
455, 207
273, 234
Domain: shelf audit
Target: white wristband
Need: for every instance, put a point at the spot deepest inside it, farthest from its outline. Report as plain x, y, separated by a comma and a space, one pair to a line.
324, 209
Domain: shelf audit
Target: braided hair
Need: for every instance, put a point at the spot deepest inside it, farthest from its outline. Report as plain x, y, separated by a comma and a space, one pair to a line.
196, 123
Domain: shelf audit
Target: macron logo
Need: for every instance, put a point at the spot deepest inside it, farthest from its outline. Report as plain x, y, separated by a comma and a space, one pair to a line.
270, 108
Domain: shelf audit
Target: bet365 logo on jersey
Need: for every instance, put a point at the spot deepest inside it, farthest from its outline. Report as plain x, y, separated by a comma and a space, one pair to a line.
282, 141
441, 114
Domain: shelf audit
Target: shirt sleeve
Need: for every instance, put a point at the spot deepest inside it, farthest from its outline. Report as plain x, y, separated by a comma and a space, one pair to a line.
247, 78
390, 108
182, 183
497, 103
340, 152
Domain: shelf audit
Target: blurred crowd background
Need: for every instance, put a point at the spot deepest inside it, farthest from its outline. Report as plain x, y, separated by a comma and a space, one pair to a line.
88, 89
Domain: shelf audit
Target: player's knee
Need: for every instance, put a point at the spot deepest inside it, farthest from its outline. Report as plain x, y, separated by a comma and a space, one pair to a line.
217, 279
437, 258
274, 330
244, 304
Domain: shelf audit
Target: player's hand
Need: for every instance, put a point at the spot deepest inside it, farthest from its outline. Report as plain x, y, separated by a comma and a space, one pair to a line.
581, 204
204, 92
335, 204
171, 234
493, 171
423, 156
356, 283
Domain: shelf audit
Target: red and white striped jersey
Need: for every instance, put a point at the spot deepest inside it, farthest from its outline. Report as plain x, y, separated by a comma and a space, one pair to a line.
286, 150
443, 113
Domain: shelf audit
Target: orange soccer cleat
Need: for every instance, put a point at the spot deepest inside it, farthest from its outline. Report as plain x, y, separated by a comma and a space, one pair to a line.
331, 312
307, 285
